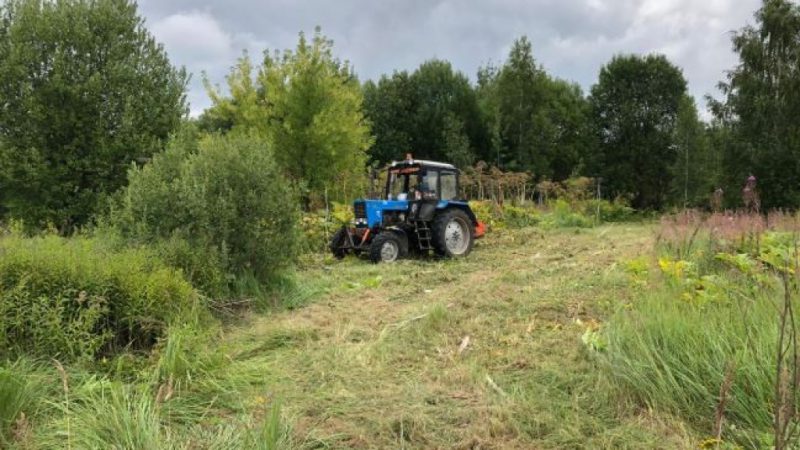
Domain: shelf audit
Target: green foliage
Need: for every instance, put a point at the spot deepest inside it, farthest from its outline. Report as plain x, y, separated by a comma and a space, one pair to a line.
634, 112
606, 211
432, 113
21, 393
113, 415
77, 298
519, 217
317, 227
563, 215
487, 212
85, 91
217, 207
761, 107
707, 325
672, 355
308, 104
537, 123
696, 172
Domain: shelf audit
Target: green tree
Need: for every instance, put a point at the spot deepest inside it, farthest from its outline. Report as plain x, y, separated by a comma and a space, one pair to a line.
85, 91
418, 113
390, 104
456, 143
561, 131
536, 123
761, 106
488, 102
520, 93
695, 173
634, 111
444, 97
309, 105
245, 108
216, 206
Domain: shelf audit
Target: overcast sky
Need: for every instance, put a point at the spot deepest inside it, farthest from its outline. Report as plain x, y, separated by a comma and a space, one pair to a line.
572, 39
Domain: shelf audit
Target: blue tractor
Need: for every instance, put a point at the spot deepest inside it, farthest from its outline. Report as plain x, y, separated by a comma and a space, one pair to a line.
420, 212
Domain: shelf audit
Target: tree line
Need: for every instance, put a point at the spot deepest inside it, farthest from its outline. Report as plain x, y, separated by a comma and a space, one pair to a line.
87, 96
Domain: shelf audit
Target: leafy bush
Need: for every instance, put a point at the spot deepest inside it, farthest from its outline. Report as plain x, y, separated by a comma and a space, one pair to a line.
76, 298
563, 215
519, 217
488, 212
317, 227
216, 206
616, 211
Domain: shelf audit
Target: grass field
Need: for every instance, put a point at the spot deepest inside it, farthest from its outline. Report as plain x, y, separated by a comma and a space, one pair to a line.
484, 352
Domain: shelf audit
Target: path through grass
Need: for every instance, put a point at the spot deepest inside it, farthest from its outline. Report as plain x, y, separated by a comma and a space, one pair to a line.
477, 353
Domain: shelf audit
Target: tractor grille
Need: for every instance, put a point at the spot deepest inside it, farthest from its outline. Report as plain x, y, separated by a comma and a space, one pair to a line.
360, 210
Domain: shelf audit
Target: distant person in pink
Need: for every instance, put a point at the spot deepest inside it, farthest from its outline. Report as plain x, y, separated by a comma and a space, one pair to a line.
752, 204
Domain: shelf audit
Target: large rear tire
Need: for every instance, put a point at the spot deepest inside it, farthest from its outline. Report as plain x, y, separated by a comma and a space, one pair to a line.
452, 233
387, 246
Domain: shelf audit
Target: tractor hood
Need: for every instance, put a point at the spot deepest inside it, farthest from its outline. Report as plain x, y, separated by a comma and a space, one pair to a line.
370, 212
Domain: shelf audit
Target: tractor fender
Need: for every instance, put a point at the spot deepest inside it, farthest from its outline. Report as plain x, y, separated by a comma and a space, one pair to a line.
464, 206
480, 227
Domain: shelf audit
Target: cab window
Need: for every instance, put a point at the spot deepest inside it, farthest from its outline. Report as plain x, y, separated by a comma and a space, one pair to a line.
449, 186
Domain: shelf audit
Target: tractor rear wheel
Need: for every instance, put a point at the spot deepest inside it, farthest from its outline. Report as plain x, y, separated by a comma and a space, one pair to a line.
387, 246
452, 233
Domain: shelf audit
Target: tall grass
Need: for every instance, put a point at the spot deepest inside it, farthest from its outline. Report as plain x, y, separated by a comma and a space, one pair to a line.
22, 393
190, 396
77, 298
672, 356
700, 342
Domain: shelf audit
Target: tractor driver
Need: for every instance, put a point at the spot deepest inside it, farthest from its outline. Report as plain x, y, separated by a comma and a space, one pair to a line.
423, 188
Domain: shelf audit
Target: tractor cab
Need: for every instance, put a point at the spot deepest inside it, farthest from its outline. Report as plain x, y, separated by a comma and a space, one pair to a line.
421, 180
419, 211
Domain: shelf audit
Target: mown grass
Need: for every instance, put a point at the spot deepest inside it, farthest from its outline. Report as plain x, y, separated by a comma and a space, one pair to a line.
483, 352
378, 360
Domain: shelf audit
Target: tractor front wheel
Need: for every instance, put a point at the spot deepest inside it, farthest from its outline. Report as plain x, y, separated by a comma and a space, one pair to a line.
452, 233
338, 241
387, 246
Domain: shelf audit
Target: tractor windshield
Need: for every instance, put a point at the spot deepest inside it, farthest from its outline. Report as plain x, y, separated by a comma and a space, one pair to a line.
412, 183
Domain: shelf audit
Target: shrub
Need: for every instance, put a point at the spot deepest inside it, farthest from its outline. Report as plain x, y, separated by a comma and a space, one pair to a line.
317, 227
488, 212
519, 217
215, 206
563, 215
606, 211
76, 298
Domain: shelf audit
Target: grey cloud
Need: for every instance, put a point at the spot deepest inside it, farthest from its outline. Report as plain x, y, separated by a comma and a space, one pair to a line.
571, 38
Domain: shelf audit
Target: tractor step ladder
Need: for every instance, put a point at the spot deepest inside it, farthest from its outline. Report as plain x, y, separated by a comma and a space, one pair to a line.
423, 235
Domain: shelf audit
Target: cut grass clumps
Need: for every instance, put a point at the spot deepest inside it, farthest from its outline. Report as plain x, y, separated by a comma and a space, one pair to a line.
77, 298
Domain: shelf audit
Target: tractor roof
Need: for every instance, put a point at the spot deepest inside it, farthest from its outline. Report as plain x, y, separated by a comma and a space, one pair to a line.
422, 163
